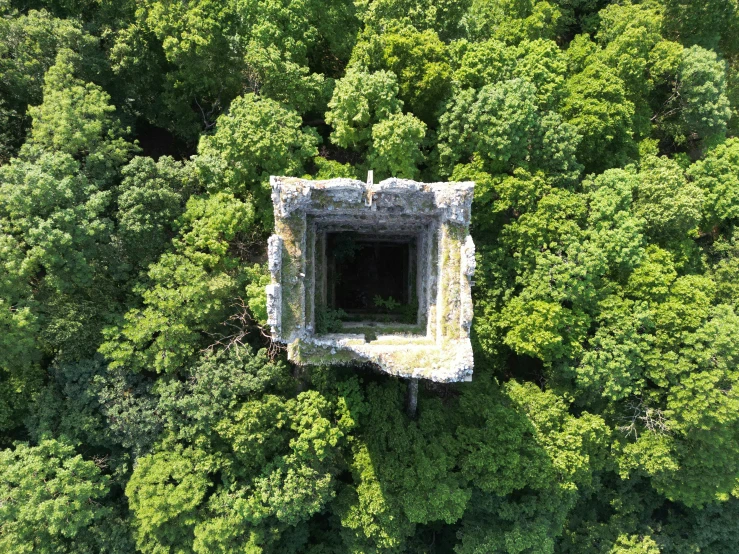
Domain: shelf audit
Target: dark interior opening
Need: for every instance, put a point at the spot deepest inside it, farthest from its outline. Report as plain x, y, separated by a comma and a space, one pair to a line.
369, 277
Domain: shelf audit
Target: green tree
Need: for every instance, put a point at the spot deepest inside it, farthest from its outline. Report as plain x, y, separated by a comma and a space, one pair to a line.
419, 60
257, 138
217, 385
493, 124
686, 432
215, 51
597, 106
717, 175
29, 44
51, 499
544, 65
500, 127
20, 373
151, 196
395, 148
707, 24
404, 474
360, 101
669, 204
191, 291
513, 21
725, 264
164, 493
630, 35
443, 17
556, 454
68, 408
477, 64
698, 107
57, 254
76, 118
263, 466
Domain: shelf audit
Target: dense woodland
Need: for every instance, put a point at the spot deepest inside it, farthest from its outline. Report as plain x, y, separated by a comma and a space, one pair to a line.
143, 409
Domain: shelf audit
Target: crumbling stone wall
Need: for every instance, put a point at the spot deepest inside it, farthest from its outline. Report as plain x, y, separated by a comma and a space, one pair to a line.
437, 215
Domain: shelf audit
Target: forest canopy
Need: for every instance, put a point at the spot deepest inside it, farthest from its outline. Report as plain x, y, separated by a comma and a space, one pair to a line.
143, 407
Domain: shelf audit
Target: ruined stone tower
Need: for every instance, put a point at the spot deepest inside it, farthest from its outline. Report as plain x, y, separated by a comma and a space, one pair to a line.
377, 273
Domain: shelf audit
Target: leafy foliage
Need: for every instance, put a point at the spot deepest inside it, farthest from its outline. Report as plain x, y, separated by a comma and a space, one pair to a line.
30, 44
191, 289
143, 407
256, 139
360, 101
51, 499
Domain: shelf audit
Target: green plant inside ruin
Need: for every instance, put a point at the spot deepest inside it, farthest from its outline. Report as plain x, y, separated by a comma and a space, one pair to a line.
329, 320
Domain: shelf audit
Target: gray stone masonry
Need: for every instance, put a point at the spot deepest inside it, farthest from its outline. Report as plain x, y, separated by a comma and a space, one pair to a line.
435, 216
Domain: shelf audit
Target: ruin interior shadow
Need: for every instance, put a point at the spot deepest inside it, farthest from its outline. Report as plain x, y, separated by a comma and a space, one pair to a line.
369, 277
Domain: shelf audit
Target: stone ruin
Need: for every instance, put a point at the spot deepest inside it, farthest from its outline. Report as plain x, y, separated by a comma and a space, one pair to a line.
373, 273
